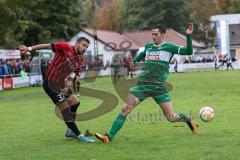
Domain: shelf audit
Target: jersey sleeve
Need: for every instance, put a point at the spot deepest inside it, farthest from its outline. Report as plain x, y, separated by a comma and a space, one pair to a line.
59, 47
184, 50
140, 55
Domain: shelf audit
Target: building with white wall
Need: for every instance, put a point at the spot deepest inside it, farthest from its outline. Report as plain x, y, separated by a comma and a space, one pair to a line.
228, 34
110, 43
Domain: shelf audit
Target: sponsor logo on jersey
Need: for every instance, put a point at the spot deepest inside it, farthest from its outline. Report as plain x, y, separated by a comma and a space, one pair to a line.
154, 55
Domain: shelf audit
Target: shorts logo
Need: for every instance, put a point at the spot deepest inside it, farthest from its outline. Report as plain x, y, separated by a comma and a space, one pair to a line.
61, 97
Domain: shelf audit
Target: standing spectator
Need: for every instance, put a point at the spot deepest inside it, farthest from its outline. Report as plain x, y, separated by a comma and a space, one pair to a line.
175, 65
127, 64
12, 68
229, 62
1, 70
6, 70
215, 63
17, 68
26, 66
117, 63
23, 73
223, 61
9, 64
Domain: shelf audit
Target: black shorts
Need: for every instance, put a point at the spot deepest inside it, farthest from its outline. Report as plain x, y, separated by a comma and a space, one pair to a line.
55, 96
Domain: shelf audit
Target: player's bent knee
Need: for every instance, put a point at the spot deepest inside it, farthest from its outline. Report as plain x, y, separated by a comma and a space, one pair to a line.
132, 100
126, 109
76, 103
72, 100
63, 105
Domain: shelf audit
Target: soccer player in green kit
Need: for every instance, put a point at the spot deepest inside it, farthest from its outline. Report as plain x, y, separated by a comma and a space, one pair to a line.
151, 81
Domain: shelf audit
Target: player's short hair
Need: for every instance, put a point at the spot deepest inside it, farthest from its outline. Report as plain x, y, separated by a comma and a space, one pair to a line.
82, 39
161, 28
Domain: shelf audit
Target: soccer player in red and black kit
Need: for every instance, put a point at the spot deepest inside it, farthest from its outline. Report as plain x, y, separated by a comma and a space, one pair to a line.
66, 64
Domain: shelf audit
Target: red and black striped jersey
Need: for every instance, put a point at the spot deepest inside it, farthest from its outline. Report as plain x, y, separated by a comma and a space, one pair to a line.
64, 62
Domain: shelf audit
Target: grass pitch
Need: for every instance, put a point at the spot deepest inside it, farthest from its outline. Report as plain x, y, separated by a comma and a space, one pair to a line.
30, 130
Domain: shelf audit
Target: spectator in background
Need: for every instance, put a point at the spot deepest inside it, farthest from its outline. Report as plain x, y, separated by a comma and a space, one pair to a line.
1, 70
10, 66
223, 61
208, 59
127, 62
215, 63
117, 63
17, 68
175, 65
26, 66
23, 73
229, 62
199, 59
6, 69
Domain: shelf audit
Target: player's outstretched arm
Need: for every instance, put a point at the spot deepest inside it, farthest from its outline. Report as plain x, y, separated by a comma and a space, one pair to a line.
25, 50
188, 49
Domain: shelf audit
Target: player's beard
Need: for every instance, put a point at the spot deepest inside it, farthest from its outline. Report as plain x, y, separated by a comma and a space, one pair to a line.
80, 52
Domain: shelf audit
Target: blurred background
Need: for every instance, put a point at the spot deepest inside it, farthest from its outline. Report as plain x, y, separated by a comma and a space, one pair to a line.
117, 27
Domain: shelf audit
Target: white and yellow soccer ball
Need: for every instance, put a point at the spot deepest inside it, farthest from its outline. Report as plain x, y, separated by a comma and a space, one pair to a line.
206, 114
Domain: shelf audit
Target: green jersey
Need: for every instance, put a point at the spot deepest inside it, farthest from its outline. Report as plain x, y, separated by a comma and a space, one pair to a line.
117, 62
157, 59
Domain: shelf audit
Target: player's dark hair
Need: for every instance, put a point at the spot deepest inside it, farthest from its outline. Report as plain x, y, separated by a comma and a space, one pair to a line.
161, 28
82, 39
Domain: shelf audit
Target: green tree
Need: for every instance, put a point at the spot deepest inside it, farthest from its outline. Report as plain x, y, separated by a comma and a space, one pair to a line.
144, 14
39, 21
53, 20
236, 6
12, 24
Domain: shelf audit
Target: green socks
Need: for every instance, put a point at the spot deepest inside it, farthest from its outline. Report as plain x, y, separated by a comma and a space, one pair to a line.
183, 117
117, 125
119, 121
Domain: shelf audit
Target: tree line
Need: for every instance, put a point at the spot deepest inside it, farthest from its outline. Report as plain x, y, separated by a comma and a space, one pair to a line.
44, 21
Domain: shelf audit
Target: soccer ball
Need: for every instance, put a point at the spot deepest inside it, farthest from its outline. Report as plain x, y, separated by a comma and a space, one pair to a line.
206, 114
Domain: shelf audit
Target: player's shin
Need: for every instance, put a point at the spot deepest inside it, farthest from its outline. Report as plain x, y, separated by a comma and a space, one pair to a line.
73, 109
117, 125
68, 118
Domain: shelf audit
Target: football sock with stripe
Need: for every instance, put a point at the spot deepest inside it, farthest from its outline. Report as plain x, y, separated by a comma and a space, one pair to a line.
183, 117
117, 125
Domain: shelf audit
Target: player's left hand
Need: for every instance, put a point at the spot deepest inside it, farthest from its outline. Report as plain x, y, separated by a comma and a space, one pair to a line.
189, 29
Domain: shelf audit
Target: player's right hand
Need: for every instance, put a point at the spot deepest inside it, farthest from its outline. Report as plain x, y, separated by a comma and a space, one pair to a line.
23, 49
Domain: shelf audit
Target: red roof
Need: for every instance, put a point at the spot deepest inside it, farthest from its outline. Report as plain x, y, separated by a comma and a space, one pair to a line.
140, 38
110, 37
